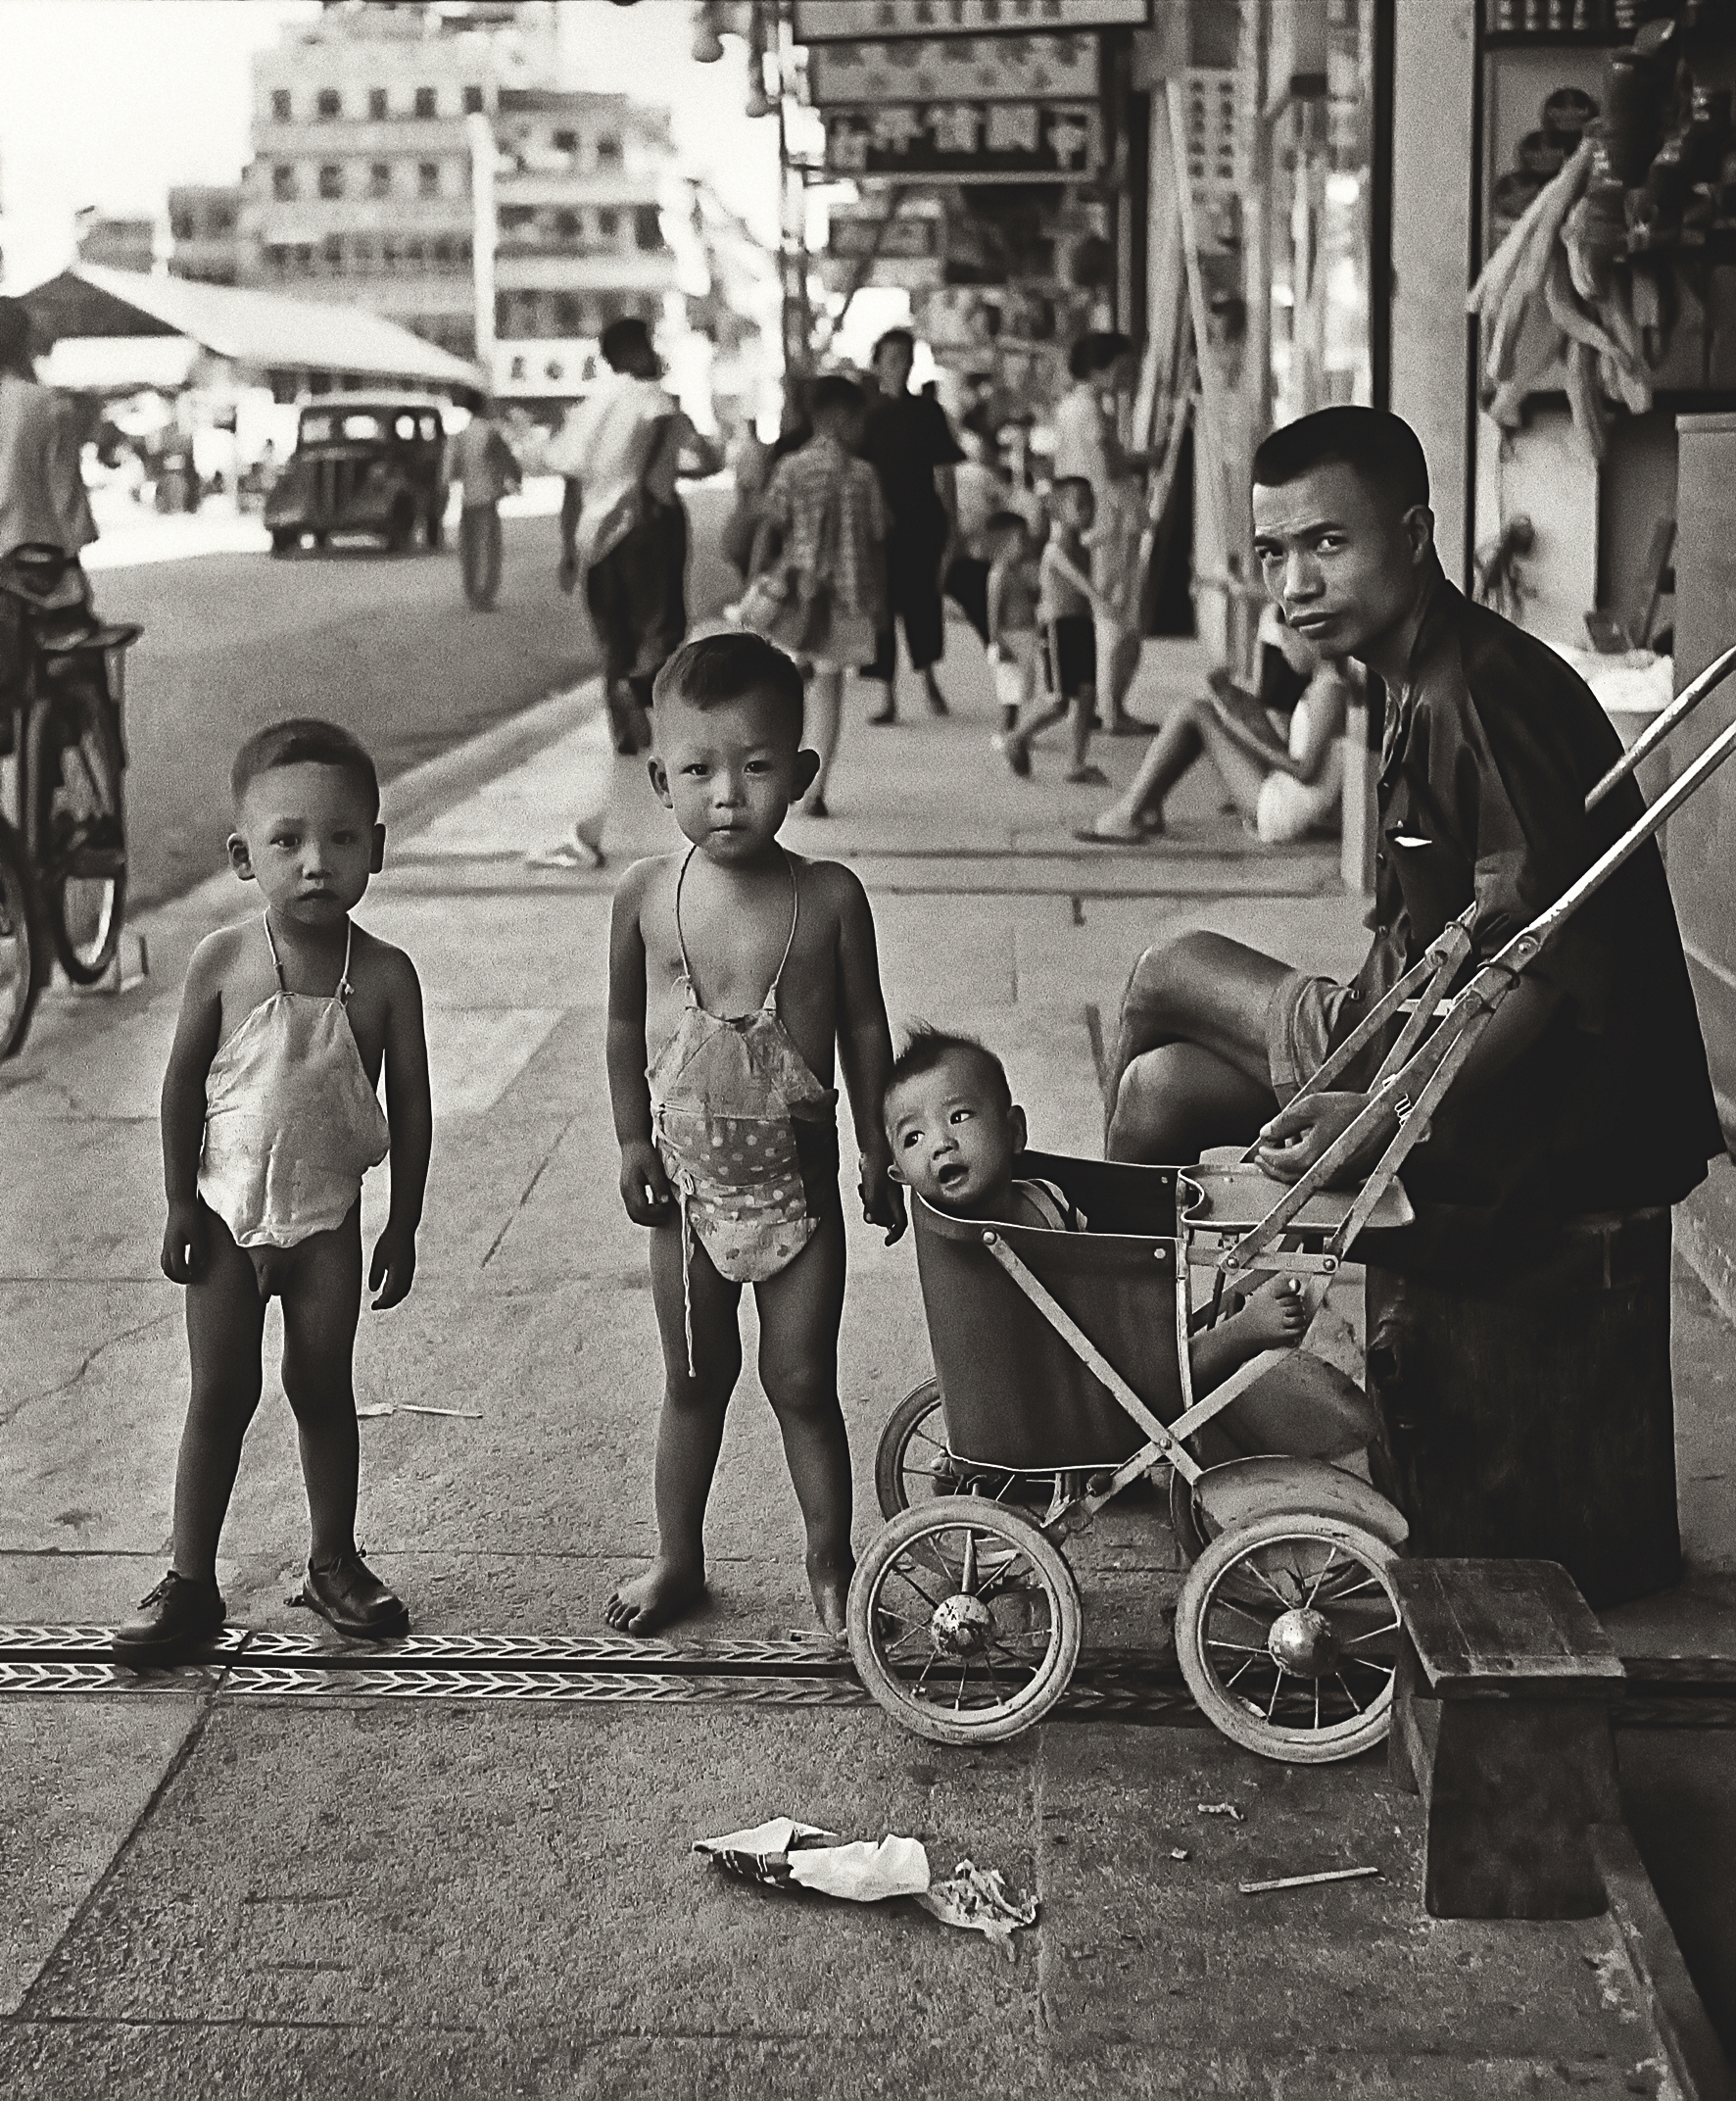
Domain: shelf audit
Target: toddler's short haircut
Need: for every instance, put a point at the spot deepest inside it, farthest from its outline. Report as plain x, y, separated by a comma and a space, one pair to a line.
833, 393
305, 741
719, 668
926, 1048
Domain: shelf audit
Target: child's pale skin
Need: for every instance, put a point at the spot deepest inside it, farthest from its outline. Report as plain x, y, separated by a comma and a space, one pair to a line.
306, 834
957, 1145
730, 773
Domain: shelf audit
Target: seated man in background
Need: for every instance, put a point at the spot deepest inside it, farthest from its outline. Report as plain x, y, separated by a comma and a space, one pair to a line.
1589, 1088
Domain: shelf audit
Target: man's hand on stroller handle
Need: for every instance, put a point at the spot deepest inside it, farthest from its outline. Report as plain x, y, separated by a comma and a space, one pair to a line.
1297, 1136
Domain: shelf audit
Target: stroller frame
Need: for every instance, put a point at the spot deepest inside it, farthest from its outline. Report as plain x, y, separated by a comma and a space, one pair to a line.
1262, 1506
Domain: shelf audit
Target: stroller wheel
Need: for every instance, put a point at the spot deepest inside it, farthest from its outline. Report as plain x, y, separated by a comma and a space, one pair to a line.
912, 1464
1288, 1630
964, 1621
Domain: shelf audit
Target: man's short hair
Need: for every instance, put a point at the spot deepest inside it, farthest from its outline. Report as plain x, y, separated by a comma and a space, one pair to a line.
998, 522
1075, 482
14, 329
924, 1048
834, 392
1097, 351
622, 341
306, 741
891, 336
716, 669
1379, 448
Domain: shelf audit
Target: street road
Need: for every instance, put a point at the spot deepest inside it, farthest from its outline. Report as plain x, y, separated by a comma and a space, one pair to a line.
383, 644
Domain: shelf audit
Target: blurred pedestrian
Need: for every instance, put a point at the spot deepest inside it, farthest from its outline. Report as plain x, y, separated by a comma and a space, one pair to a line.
1088, 444
622, 524
1012, 593
479, 459
981, 490
911, 447
824, 511
1067, 603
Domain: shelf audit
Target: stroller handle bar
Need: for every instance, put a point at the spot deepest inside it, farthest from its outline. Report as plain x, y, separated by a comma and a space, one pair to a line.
1411, 1091
1655, 733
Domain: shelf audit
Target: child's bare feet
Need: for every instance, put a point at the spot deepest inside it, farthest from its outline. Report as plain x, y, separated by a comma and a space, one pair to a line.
1276, 1314
831, 1587
664, 1593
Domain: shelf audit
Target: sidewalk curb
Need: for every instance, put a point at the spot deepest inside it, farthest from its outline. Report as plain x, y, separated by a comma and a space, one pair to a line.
418, 796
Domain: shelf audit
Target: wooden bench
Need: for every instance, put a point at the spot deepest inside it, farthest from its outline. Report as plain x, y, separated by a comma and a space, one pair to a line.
1501, 1720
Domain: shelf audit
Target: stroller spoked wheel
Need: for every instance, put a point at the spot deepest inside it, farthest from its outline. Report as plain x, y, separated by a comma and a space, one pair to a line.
964, 1621
912, 1464
1288, 1630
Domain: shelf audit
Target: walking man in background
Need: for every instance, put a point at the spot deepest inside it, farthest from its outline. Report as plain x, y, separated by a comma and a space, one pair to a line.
622, 524
480, 458
910, 446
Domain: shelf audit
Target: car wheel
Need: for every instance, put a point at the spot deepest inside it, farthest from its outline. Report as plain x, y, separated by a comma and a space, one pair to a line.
283, 542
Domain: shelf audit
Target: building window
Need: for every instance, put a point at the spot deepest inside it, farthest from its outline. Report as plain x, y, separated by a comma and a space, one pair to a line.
376, 102
332, 250
180, 224
389, 254
428, 180
304, 256
441, 253
648, 226
608, 150
361, 253
413, 254
566, 314
504, 314
608, 226
464, 249
331, 179
379, 179
223, 219
283, 180
567, 224
426, 104
515, 217
281, 107
329, 103
566, 142
473, 103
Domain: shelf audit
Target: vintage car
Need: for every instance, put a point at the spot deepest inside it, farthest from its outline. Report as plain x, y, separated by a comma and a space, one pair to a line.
363, 464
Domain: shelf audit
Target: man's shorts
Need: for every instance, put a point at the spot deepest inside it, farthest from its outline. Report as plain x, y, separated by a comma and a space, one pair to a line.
1072, 647
1305, 1017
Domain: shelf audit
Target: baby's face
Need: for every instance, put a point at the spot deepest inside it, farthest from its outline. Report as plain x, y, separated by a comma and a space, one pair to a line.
730, 773
953, 1138
306, 834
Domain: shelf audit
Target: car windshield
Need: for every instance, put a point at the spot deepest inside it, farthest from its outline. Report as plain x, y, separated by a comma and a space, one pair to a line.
366, 427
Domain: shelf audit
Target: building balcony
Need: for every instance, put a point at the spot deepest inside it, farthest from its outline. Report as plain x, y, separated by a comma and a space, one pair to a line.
585, 274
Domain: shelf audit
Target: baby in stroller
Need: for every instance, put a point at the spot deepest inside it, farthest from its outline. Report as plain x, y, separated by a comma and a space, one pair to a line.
957, 1137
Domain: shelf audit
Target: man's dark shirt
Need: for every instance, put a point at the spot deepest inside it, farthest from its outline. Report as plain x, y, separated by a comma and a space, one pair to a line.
907, 437
1489, 754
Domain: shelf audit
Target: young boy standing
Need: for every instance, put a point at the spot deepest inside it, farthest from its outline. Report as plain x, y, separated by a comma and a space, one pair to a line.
1012, 616
1067, 601
737, 972
271, 1117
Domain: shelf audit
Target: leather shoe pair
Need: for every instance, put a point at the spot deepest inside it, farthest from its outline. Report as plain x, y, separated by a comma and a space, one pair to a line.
176, 1617
346, 1593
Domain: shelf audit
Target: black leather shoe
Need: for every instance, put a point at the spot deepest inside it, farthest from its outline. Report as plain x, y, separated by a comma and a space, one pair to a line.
346, 1593
176, 1617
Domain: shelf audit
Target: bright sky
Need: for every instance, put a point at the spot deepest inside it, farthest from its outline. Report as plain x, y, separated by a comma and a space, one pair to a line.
107, 102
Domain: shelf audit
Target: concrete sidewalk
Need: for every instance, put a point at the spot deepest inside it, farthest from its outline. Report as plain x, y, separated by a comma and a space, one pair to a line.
339, 1894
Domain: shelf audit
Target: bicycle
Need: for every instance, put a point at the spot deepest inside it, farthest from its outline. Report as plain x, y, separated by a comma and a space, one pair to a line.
62, 834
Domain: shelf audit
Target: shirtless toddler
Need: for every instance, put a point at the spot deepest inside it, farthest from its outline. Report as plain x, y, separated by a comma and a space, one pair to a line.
737, 972
271, 1117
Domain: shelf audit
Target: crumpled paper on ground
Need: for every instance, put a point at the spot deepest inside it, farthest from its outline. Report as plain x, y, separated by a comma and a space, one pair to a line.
785, 1854
977, 1900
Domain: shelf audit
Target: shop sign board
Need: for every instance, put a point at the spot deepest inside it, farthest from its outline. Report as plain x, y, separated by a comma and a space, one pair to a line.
954, 69
967, 141
908, 247
820, 22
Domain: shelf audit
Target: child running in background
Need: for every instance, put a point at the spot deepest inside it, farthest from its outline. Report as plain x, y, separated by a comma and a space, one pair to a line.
737, 972
956, 1134
824, 508
1067, 601
271, 1118
1012, 616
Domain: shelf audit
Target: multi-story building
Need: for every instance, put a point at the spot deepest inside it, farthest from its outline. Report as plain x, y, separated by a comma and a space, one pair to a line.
204, 232
359, 189
580, 187
115, 243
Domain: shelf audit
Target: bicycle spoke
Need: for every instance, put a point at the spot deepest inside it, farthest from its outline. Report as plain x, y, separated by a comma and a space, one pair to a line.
1348, 1694
1325, 1572
1373, 1633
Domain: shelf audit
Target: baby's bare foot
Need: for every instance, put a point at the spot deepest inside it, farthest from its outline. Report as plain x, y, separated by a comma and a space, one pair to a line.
648, 1602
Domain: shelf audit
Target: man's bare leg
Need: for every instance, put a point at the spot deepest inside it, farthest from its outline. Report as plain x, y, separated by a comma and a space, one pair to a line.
1203, 998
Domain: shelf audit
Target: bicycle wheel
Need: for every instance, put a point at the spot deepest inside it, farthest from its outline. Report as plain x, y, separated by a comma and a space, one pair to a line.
81, 834
22, 954
1287, 1632
964, 1621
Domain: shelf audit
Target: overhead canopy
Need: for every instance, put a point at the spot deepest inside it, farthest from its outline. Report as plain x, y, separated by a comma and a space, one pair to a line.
259, 329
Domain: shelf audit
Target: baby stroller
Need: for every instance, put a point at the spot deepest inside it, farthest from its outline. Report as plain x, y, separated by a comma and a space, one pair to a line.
1061, 1361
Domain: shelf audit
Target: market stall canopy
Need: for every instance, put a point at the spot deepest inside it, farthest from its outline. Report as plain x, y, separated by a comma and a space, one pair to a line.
258, 330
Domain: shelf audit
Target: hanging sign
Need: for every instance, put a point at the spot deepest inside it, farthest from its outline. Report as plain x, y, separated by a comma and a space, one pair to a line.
949, 68
972, 141
819, 22
907, 247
